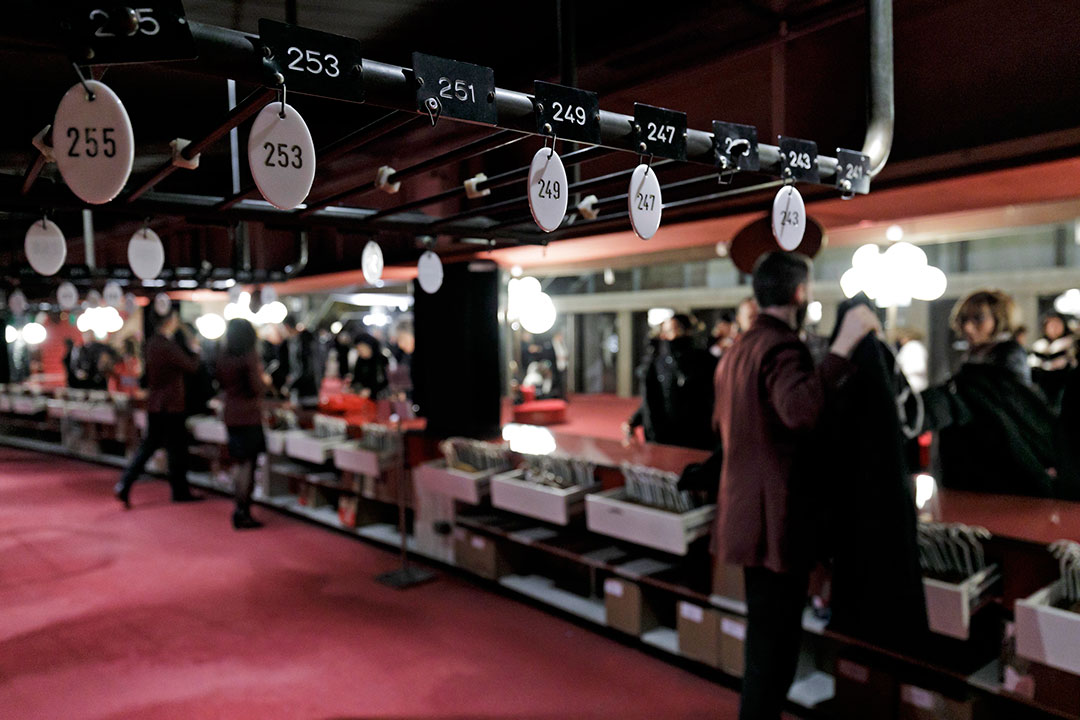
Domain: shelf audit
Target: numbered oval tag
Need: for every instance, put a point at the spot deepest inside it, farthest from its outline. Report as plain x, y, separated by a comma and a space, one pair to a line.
644, 202
430, 272
547, 189
93, 299
67, 297
371, 262
146, 254
162, 304
93, 142
46, 248
113, 294
131, 303
788, 217
17, 302
281, 155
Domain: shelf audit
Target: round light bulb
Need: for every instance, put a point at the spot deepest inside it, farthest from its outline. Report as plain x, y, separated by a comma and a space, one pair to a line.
538, 314
211, 326
34, 333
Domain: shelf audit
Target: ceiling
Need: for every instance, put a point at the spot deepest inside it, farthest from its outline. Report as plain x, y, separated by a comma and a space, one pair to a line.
981, 86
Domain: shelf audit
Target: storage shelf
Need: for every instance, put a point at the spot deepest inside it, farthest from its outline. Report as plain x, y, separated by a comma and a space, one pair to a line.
544, 590
664, 638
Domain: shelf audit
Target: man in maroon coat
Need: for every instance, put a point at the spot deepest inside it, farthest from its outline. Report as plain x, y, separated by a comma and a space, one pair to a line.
769, 397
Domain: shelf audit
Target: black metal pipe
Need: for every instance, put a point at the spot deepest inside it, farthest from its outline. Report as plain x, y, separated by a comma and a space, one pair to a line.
879, 131
252, 104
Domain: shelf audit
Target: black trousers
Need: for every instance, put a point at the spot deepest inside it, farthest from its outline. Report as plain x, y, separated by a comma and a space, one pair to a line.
774, 604
164, 430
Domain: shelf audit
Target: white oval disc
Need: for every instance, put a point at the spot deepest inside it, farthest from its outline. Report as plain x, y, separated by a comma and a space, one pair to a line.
67, 297
547, 189
644, 202
281, 155
162, 304
267, 295
372, 262
234, 293
46, 248
113, 294
146, 254
93, 142
93, 299
131, 303
788, 217
17, 302
430, 272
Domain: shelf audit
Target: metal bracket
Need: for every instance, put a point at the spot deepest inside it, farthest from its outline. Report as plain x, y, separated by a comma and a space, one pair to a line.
39, 143
382, 180
178, 159
471, 191
587, 208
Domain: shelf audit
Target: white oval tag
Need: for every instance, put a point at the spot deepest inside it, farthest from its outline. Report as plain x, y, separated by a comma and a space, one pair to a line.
46, 248
17, 302
162, 304
547, 189
131, 303
430, 272
113, 294
788, 217
93, 142
372, 262
93, 299
234, 293
146, 254
267, 295
67, 296
281, 155
644, 202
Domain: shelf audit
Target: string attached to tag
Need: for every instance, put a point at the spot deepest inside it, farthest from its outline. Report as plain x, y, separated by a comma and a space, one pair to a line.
434, 110
283, 91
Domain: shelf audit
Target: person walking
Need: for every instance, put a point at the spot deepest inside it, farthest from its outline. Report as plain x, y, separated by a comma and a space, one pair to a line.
240, 375
167, 364
769, 399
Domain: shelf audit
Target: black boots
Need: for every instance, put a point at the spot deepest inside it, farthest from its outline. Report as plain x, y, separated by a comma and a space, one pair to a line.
242, 520
123, 494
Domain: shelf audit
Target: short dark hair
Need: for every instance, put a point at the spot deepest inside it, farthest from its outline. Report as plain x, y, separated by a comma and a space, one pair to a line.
239, 337
777, 275
683, 320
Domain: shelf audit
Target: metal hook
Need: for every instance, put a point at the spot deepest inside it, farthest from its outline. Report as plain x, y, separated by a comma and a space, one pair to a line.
846, 193
649, 166
145, 226
283, 91
555, 139
434, 109
789, 179
90, 96
44, 217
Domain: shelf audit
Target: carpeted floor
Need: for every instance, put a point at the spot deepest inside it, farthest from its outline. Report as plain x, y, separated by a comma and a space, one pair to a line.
166, 612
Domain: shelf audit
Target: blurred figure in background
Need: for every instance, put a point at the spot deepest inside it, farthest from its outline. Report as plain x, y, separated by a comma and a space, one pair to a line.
240, 374
913, 358
986, 320
724, 333
127, 373
1052, 356
198, 386
70, 360
369, 371
399, 375
746, 314
302, 378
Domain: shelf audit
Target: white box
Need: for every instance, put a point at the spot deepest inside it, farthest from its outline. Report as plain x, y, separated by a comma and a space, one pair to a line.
467, 487
303, 445
27, 405
510, 491
609, 513
1048, 634
275, 441
949, 605
351, 457
209, 430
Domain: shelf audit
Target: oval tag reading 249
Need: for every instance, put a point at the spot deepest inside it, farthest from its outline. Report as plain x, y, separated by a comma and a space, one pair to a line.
460, 90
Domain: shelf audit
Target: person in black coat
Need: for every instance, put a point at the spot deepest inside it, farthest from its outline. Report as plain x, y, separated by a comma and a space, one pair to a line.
677, 390
369, 377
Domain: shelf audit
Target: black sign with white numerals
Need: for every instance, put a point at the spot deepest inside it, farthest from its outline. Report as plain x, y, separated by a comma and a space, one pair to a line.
313, 62
852, 171
798, 159
567, 113
460, 90
660, 132
735, 146
104, 33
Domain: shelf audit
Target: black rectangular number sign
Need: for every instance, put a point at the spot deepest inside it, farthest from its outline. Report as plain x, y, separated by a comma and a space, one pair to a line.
107, 33
567, 113
313, 62
852, 171
735, 146
460, 90
798, 159
660, 132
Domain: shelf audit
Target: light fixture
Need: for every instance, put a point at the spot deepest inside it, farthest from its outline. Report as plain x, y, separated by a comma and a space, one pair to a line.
34, 333
11, 334
377, 318
925, 488
1068, 302
516, 271
813, 312
100, 320
271, 313
529, 439
894, 277
658, 316
336, 326
538, 315
211, 326
894, 233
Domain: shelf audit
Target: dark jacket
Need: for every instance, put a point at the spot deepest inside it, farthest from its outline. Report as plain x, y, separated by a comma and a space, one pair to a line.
167, 364
370, 374
677, 395
240, 378
769, 400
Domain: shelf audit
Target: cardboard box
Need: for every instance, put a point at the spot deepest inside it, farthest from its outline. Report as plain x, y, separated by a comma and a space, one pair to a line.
729, 581
626, 609
918, 703
478, 555
733, 644
864, 692
699, 633
312, 496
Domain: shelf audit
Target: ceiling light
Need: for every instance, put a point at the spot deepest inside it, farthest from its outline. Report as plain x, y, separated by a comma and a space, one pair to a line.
894, 233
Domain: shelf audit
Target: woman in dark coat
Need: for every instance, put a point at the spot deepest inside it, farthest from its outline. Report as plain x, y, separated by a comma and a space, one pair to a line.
240, 375
369, 370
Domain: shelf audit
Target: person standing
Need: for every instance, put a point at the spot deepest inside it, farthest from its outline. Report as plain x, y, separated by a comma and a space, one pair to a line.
769, 399
167, 365
240, 375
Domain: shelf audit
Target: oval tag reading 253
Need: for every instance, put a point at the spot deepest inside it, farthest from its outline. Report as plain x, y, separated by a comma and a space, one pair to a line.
93, 142
281, 155
547, 189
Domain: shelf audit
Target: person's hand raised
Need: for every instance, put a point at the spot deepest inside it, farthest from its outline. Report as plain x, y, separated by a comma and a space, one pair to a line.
858, 322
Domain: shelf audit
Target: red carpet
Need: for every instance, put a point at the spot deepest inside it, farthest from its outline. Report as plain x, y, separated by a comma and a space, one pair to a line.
166, 612
599, 416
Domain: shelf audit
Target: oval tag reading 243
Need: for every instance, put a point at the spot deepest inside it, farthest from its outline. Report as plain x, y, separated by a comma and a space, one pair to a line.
460, 90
